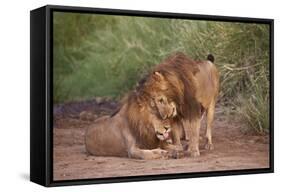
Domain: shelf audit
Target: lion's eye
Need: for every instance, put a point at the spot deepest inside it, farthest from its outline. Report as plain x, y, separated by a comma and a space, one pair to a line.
161, 100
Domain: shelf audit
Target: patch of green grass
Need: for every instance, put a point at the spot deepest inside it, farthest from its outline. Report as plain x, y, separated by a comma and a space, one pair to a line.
254, 107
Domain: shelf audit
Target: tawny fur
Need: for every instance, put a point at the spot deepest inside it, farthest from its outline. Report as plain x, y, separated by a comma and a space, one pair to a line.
131, 131
194, 87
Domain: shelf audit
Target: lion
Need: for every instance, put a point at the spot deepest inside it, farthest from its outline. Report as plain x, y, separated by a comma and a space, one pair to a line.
194, 87
140, 128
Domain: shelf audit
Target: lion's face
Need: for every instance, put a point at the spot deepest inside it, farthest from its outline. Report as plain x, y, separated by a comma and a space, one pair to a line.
157, 87
162, 129
165, 108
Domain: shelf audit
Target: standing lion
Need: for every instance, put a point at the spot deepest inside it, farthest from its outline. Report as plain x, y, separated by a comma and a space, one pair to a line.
194, 87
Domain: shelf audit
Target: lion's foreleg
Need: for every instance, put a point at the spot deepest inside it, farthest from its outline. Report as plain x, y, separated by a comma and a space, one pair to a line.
186, 130
137, 153
177, 133
175, 149
192, 128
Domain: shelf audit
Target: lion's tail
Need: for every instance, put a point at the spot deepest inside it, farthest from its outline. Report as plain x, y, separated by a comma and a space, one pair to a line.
211, 58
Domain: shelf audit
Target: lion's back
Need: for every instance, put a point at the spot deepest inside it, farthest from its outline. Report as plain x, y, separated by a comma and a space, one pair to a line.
103, 138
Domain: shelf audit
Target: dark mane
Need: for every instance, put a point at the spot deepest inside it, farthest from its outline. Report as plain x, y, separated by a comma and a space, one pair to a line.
141, 82
138, 118
179, 71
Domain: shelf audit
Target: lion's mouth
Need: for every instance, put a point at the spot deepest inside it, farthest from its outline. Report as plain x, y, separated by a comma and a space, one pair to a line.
163, 136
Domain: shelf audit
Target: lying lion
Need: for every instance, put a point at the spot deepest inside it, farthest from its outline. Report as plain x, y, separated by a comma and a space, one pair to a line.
141, 126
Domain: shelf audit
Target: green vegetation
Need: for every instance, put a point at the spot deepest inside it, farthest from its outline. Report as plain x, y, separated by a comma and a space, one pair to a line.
97, 55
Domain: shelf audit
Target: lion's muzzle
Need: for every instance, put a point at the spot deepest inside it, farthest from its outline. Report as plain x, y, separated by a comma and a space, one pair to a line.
165, 135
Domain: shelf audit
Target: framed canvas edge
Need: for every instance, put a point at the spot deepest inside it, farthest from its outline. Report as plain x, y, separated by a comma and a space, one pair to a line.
159, 14
49, 182
159, 177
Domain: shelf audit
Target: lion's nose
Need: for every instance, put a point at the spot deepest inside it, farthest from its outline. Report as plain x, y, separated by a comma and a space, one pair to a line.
166, 128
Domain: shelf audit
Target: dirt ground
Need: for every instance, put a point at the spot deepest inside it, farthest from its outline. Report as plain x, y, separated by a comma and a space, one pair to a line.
233, 148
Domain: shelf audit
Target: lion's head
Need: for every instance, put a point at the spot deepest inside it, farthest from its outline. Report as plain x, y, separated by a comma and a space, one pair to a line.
150, 109
156, 87
179, 72
162, 129
164, 106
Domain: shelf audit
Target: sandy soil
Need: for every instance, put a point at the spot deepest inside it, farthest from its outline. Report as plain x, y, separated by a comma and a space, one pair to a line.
233, 149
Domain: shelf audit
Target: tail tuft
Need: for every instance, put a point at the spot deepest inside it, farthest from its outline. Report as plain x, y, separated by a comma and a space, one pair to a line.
211, 58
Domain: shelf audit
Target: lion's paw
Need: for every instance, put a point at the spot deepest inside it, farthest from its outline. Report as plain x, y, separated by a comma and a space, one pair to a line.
194, 153
176, 154
160, 153
209, 146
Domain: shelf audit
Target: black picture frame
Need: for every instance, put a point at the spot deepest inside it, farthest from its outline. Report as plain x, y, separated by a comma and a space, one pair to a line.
41, 101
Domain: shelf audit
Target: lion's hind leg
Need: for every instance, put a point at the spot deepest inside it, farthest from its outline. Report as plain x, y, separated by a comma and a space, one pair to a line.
210, 117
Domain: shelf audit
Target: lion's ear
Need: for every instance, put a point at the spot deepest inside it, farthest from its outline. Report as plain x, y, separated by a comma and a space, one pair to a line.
158, 76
